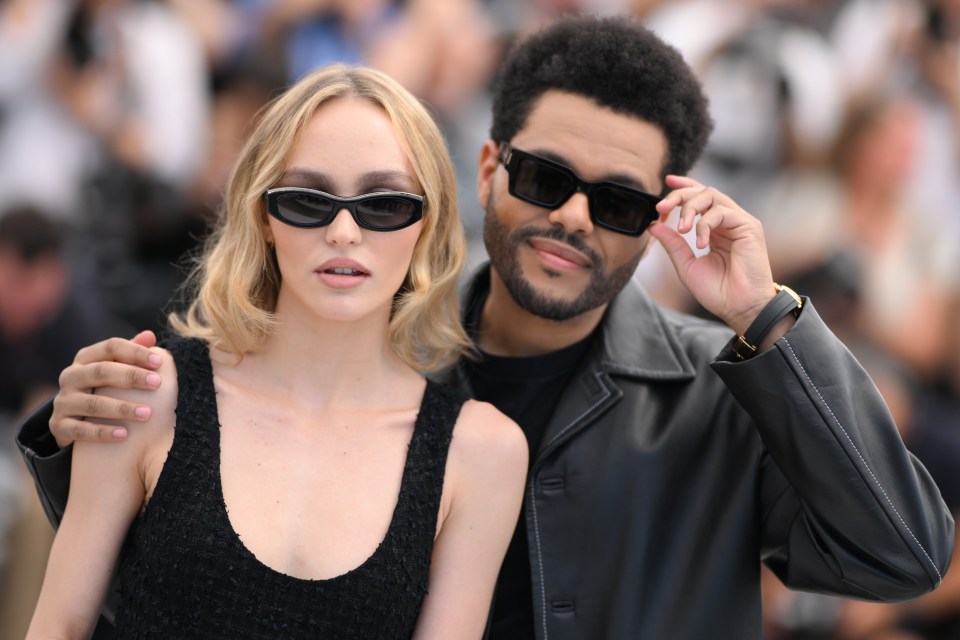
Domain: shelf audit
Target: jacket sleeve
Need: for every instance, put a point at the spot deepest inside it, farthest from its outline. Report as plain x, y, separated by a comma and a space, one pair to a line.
48, 464
845, 508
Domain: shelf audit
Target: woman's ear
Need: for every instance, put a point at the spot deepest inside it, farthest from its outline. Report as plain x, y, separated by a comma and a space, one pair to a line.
268, 234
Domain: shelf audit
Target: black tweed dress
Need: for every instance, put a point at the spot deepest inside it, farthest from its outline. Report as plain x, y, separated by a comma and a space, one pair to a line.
185, 574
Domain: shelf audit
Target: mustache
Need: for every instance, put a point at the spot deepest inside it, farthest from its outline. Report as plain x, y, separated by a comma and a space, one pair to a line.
555, 233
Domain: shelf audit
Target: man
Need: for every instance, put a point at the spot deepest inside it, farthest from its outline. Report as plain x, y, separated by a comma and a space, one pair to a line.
45, 315
656, 485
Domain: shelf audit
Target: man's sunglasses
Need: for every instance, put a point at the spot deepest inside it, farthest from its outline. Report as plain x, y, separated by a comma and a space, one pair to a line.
549, 184
310, 208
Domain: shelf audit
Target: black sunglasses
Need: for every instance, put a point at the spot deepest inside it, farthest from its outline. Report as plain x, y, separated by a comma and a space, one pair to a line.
549, 184
310, 208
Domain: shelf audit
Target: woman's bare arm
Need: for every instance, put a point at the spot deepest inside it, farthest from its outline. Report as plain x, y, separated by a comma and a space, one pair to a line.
486, 474
107, 490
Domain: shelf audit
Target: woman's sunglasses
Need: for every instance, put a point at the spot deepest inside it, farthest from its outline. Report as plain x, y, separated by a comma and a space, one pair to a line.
310, 208
549, 184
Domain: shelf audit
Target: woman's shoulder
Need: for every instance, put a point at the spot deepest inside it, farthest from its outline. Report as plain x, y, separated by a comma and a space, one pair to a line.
485, 436
487, 463
148, 439
161, 400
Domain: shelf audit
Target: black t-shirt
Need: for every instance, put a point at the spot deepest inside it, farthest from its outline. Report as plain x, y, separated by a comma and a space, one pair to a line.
527, 390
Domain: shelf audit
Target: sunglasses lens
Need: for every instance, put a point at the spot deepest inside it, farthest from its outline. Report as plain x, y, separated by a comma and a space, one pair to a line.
622, 210
387, 212
305, 209
540, 183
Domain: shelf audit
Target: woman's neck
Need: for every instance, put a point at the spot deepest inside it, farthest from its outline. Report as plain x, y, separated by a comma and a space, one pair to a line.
325, 362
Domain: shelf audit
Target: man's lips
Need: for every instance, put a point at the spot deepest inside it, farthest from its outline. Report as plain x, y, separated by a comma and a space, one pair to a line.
559, 254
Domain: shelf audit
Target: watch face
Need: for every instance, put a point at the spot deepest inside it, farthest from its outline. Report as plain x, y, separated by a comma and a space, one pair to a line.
794, 294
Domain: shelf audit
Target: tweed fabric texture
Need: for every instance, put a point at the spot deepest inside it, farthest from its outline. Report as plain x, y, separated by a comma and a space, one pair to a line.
185, 574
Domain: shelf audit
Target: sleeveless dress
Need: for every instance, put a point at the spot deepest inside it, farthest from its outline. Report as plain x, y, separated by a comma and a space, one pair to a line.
185, 574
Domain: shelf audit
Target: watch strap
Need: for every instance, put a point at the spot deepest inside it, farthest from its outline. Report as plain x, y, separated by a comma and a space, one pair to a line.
785, 302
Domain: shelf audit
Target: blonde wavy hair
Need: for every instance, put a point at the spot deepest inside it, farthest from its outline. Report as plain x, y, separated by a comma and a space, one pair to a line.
235, 281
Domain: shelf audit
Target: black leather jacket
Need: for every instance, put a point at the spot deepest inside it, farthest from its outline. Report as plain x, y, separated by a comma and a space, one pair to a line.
666, 473
665, 476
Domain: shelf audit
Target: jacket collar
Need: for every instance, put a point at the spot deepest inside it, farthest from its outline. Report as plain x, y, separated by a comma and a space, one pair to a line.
636, 338
639, 341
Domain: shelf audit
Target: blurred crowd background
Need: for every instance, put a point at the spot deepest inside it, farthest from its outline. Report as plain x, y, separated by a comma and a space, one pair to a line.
837, 124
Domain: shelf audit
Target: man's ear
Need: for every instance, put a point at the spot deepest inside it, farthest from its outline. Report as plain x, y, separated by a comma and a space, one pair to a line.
487, 166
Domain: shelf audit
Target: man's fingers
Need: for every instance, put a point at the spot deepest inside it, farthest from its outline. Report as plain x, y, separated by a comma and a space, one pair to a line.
712, 219
675, 181
675, 245
121, 350
692, 198
71, 430
88, 405
145, 339
107, 374
75, 417
728, 224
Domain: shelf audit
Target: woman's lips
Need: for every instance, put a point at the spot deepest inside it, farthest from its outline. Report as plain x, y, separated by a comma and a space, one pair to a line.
342, 273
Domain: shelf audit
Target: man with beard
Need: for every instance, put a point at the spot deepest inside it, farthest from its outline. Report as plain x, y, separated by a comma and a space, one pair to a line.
669, 454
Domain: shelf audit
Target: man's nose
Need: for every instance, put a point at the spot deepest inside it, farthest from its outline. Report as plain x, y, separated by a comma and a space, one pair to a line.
574, 214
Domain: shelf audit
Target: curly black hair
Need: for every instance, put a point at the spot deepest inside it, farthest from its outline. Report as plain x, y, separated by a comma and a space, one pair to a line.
619, 64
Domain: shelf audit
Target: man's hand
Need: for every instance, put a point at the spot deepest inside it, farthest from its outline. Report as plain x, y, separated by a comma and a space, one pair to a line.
115, 362
733, 281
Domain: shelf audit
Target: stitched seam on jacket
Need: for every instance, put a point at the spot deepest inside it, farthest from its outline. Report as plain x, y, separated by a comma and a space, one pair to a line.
864, 462
536, 531
598, 375
533, 502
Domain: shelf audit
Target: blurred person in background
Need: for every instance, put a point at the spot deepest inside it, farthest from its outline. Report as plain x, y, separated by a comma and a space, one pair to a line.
46, 312
444, 51
855, 221
39, 139
775, 92
773, 81
134, 76
821, 76
913, 47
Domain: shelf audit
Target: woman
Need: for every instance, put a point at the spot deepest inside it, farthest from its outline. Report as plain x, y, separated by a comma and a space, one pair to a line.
298, 477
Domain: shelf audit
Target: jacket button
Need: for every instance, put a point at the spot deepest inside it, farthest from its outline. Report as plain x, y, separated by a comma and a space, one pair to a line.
562, 606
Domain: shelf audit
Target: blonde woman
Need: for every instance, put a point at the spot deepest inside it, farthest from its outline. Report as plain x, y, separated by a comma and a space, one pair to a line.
298, 476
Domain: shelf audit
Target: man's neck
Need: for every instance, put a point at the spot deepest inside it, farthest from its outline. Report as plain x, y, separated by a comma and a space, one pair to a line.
506, 329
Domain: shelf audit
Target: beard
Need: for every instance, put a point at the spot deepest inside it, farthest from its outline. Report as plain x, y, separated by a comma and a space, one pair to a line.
502, 246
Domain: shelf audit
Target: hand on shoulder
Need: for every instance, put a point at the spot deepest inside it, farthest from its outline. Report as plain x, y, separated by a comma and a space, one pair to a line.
137, 460
162, 400
80, 415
